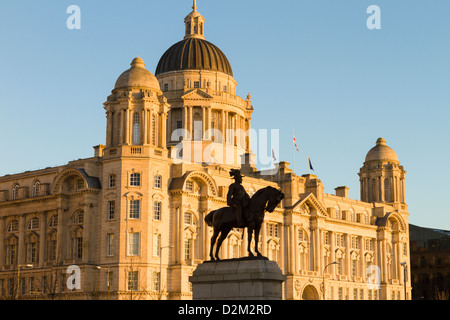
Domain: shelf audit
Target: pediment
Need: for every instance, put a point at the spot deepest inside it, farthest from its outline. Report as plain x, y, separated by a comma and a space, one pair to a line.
197, 94
310, 201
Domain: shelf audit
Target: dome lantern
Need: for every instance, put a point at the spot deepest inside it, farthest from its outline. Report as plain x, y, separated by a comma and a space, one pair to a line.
194, 24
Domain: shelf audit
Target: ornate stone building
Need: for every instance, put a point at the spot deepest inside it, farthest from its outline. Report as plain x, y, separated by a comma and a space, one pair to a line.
131, 217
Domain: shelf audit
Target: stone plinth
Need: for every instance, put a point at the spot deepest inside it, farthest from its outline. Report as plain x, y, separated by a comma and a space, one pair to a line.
238, 279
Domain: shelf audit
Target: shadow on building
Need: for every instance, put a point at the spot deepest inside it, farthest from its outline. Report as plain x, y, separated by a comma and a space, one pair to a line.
430, 263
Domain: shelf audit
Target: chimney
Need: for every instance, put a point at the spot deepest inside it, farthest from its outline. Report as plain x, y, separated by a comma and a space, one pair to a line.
342, 191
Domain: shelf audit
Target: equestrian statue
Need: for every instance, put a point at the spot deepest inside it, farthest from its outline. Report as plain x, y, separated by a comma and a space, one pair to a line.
241, 212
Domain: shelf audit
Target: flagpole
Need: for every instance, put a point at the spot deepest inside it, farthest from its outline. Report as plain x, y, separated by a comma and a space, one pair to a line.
293, 152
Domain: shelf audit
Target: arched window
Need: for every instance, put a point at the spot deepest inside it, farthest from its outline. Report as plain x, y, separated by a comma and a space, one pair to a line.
338, 212
53, 222
352, 215
15, 192
136, 128
13, 226
33, 223
36, 188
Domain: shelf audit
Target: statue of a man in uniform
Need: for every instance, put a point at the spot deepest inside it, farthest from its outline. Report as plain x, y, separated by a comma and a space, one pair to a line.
237, 197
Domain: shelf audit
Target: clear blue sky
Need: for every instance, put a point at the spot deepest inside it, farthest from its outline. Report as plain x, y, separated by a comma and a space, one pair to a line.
312, 66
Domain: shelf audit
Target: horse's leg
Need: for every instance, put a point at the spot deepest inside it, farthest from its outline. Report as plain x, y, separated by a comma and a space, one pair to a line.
257, 229
223, 236
213, 241
249, 240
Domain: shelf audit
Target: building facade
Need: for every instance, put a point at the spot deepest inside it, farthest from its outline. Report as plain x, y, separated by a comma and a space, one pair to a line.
430, 263
129, 221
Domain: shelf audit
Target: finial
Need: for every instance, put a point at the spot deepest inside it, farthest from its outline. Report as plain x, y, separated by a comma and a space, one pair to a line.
195, 5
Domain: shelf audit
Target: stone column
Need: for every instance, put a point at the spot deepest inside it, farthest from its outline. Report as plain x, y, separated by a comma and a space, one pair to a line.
21, 248
2, 242
42, 238
60, 236
109, 123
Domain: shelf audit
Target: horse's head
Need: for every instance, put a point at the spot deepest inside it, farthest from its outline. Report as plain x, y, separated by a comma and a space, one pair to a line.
274, 199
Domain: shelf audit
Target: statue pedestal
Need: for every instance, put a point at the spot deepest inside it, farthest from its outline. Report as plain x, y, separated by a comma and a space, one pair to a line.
238, 279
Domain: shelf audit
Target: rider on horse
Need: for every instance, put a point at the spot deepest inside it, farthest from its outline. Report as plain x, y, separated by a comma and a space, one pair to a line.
237, 197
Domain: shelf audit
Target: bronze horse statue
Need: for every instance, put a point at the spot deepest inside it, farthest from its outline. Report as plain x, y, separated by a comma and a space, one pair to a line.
224, 219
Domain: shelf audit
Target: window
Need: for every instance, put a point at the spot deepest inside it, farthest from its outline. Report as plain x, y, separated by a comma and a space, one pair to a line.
134, 209
187, 249
52, 247
187, 218
133, 244
154, 130
155, 281
33, 224
352, 215
157, 210
31, 252
326, 237
78, 217
110, 244
166, 87
196, 84
11, 251
179, 124
111, 210
338, 212
13, 226
36, 189
15, 192
80, 184
158, 181
189, 186
156, 245
112, 181
272, 230
387, 196
135, 179
133, 281
53, 222
136, 128
77, 246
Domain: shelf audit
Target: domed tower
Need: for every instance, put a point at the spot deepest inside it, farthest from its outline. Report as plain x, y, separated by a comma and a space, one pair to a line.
136, 113
197, 80
382, 177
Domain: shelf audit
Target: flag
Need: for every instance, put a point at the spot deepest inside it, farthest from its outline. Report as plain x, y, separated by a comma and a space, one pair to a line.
310, 165
295, 143
273, 156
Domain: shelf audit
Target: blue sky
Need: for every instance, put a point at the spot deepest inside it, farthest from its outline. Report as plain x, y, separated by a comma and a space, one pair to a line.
310, 66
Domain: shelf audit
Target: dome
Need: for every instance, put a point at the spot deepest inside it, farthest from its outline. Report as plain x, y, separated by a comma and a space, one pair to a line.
193, 54
137, 76
381, 152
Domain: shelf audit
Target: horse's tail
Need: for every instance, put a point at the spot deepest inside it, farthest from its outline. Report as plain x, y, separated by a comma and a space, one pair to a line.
209, 218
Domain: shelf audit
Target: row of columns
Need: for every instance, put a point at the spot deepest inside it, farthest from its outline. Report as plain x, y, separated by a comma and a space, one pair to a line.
374, 189
152, 127
226, 121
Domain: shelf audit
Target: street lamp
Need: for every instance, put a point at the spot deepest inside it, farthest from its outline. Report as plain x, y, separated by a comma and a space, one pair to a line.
323, 283
405, 275
107, 280
160, 268
18, 277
